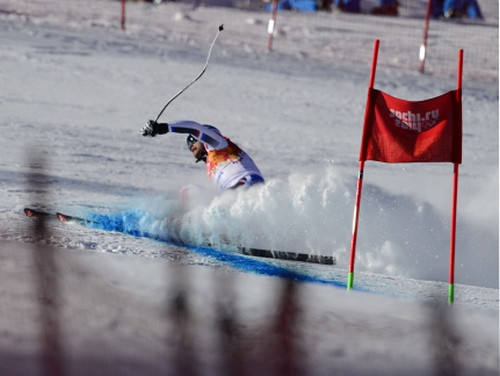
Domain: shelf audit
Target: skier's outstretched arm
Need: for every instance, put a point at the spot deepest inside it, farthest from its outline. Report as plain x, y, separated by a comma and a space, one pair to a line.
205, 133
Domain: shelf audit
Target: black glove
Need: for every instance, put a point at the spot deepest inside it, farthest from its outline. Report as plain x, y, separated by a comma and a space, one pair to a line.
152, 128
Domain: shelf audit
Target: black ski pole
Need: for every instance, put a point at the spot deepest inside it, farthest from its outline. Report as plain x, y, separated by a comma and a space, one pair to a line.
221, 27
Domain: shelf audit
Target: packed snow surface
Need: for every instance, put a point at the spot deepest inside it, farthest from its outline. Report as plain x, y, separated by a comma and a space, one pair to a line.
76, 89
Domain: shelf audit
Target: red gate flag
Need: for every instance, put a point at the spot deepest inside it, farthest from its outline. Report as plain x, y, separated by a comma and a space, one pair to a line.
399, 131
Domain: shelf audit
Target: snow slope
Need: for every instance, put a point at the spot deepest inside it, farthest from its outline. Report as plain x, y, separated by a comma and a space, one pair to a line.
80, 89
75, 92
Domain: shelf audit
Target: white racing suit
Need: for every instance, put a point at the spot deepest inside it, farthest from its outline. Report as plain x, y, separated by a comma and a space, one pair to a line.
227, 165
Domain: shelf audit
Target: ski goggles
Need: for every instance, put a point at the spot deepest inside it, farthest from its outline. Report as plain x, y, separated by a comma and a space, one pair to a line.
190, 140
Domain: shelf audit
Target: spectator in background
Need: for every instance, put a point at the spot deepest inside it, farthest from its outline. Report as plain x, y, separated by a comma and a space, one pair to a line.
349, 6
456, 9
385, 7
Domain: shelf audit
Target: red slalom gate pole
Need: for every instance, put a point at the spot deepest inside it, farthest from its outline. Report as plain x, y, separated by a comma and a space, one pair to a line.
454, 196
272, 22
122, 18
423, 46
453, 233
359, 187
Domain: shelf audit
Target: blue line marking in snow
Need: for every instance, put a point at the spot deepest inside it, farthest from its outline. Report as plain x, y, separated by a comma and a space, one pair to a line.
247, 263
128, 223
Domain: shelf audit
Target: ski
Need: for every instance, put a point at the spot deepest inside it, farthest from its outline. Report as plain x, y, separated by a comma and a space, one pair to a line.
290, 256
249, 251
36, 213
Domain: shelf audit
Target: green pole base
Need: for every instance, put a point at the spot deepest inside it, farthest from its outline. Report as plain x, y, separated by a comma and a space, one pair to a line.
451, 293
350, 280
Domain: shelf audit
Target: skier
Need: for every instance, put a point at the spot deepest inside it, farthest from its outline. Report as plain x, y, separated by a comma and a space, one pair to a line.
228, 166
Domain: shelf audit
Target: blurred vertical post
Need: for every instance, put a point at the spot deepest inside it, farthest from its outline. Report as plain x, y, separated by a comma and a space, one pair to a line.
122, 18
231, 348
423, 46
46, 278
445, 342
183, 357
272, 23
288, 360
